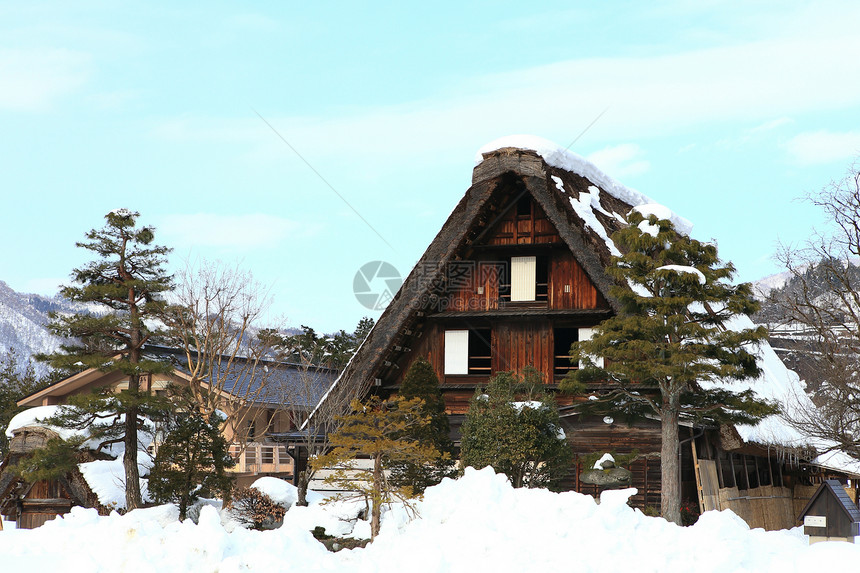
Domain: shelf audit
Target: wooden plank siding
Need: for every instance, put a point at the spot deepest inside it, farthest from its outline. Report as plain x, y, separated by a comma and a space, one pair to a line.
527, 229
592, 435
43, 502
564, 272
474, 285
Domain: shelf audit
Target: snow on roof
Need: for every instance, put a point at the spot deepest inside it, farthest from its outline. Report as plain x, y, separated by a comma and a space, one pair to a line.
557, 156
778, 383
31, 417
584, 207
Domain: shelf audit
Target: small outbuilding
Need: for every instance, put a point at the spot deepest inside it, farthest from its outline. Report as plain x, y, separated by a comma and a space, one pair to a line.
831, 515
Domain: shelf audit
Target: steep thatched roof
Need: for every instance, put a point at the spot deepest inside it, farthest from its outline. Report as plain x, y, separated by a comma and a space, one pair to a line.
583, 204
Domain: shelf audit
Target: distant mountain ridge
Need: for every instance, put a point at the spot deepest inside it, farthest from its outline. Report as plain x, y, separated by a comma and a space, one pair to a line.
22, 323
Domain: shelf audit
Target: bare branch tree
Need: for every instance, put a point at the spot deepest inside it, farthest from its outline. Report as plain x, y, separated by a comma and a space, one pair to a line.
820, 314
214, 321
303, 396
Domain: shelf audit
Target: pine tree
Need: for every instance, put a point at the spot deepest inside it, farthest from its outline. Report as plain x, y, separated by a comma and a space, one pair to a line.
376, 430
192, 461
421, 382
513, 426
670, 344
127, 277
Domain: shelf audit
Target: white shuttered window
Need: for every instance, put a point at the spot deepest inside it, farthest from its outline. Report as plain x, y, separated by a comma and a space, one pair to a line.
456, 352
523, 278
588, 334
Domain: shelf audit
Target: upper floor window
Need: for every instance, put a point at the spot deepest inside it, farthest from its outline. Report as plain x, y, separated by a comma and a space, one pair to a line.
529, 279
468, 352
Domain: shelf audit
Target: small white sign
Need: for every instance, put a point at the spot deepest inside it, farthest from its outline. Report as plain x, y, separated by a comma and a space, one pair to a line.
815, 521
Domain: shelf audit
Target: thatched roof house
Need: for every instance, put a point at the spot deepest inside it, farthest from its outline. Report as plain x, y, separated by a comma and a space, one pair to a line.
515, 275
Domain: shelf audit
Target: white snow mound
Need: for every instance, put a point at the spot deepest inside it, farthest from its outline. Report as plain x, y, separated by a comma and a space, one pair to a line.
476, 523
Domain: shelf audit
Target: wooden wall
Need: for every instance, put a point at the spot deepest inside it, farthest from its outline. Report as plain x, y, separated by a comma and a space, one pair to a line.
45, 500
516, 345
593, 435
564, 272
484, 274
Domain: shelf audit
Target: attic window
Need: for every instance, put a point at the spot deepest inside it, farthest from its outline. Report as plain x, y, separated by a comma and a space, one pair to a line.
480, 353
523, 278
524, 205
456, 352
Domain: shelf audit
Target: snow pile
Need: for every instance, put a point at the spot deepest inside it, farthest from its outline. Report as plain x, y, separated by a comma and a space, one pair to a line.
283, 492
561, 158
476, 523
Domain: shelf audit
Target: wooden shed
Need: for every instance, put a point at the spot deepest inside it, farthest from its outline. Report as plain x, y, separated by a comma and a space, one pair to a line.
831, 515
31, 504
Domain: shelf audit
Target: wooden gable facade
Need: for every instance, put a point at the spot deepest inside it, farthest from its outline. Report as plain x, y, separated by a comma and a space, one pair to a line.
515, 275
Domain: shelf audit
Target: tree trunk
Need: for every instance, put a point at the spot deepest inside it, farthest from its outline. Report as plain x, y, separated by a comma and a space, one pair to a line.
670, 490
129, 462
129, 458
376, 508
304, 479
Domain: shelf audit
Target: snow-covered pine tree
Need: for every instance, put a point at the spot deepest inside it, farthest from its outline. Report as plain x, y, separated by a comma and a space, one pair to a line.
671, 342
128, 278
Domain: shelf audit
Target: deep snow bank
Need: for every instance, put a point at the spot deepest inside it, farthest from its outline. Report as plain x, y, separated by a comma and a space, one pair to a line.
478, 523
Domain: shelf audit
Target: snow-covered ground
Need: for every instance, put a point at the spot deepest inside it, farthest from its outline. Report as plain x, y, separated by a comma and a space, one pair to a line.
478, 523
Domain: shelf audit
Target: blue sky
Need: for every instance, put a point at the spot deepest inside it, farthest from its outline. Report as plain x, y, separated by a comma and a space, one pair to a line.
727, 115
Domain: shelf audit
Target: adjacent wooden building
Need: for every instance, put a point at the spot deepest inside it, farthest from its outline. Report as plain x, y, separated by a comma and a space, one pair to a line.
255, 445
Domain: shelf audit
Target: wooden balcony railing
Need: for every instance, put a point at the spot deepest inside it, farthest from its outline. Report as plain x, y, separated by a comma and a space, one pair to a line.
261, 458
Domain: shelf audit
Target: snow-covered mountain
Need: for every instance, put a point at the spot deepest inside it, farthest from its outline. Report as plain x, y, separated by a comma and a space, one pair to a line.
763, 287
22, 322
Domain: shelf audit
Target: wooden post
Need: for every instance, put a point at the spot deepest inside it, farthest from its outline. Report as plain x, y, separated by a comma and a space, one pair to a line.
700, 492
732, 465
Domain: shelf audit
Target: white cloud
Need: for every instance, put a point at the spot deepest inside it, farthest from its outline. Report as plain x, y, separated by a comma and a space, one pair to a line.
646, 96
32, 80
824, 147
240, 232
621, 160
771, 125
